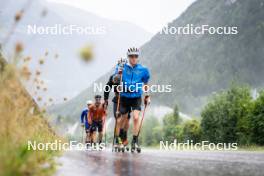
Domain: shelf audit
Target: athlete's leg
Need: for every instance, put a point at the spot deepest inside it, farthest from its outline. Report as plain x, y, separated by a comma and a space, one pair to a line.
93, 132
136, 121
87, 130
100, 131
136, 109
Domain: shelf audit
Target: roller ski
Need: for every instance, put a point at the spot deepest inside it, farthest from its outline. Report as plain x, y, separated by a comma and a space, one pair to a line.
135, 146
126, 146
118, 146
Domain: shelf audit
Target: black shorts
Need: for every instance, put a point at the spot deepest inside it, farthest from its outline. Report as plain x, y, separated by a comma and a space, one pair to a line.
115, 108
129, 104
96, 125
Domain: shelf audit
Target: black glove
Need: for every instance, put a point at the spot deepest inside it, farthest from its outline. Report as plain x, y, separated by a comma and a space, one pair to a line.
105, 103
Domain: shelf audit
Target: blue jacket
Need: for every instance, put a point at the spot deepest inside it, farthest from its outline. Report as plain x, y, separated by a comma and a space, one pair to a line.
84, 118
132, 76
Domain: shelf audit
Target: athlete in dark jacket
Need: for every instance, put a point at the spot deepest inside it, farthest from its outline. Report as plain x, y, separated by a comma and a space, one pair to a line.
121, 130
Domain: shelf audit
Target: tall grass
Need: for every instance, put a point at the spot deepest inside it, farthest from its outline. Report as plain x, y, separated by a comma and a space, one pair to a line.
20, 121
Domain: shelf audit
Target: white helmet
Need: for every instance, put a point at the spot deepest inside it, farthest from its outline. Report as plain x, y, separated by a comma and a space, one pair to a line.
133, 51
89, 102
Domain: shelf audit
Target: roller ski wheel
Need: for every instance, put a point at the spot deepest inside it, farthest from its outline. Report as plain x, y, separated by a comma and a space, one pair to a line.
135, 147
125, 144
123, 149
116, 149
139, 150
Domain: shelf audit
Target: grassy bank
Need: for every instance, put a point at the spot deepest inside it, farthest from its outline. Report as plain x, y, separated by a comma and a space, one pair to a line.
21, 121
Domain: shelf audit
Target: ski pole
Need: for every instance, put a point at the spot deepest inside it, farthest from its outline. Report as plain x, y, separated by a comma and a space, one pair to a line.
105, 135
105, 132
141, 122
114, 136
82, 134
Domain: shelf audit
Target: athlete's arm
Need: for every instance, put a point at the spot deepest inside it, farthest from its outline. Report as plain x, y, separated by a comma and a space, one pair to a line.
89, 117
109, 85
146, 76
82, 117
116, 75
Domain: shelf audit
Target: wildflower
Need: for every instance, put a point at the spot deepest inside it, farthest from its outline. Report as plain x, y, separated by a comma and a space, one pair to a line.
41, 61
18, 16
26, 59
25, 73
39, 99
86, 53
38, 72
19, 47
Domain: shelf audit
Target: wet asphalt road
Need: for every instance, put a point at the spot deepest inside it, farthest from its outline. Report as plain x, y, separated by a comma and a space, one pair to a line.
156, 162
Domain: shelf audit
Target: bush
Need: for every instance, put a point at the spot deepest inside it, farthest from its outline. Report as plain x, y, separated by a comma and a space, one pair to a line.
151, 131
171, 126
192, 131
257, 120
226, 117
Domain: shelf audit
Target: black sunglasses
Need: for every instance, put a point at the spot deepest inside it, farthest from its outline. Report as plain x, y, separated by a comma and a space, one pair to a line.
136, 56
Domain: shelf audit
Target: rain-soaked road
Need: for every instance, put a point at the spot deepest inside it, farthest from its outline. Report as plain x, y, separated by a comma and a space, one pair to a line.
156, 162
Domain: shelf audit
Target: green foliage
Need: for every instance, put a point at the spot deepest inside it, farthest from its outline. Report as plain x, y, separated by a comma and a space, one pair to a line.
233, 116
151, 131
257, 120
192, 131
171, 128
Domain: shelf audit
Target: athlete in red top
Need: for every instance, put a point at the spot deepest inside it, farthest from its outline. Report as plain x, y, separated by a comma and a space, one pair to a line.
96, 118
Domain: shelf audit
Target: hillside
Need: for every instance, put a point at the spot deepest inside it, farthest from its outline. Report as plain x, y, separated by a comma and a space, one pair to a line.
67, 75
198, 65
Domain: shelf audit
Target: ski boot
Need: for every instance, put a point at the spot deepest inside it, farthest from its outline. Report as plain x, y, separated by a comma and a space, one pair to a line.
135, 146
87, 145
117, 145
100, 146
124, 140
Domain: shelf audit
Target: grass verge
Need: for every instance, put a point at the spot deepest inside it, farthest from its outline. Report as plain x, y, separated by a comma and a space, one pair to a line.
21, 121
